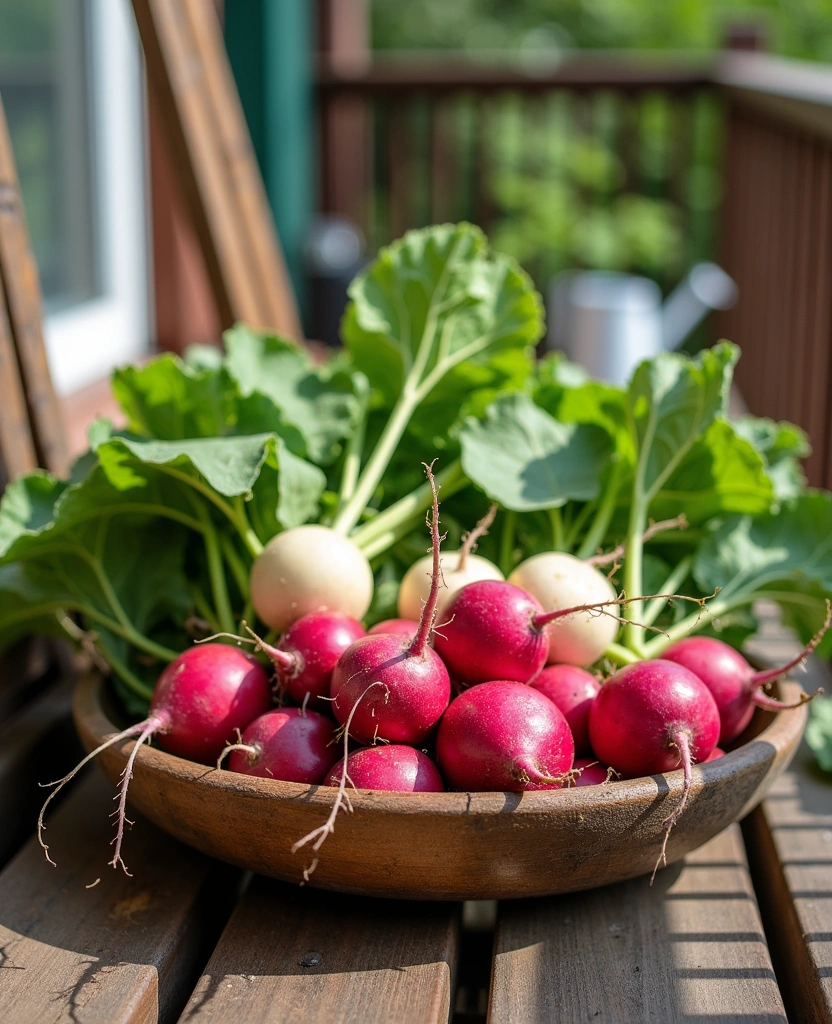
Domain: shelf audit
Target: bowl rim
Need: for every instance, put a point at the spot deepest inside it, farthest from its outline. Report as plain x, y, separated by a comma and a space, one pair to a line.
779, 735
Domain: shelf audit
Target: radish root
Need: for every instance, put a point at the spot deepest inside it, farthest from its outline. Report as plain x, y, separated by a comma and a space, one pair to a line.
772, 674
420, 641
679, 523
469, 543
120, 813
342, 800
682, 743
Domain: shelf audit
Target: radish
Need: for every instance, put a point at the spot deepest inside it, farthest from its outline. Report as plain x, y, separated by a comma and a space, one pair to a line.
466, 568
495, 630
559, 581
572, 690
413, 686
395, 768
714, 755
306, 569
396, 627
652, 717
286, 744
200, 701
734, 684
308, 651
592, 772
503, 735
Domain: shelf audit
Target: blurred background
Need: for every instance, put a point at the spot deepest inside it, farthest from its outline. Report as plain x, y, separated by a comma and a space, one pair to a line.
600, 135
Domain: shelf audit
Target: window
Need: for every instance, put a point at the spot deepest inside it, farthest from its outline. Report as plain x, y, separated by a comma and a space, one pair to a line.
70, 80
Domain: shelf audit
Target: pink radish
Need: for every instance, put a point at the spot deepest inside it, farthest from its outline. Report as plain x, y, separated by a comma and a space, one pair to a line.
413, 687
572, 690
593, 773
734, 684
308, 651
714, 755
201, 700
394, 767
495, 630
286, 744
395, 627
502, 736
653, 717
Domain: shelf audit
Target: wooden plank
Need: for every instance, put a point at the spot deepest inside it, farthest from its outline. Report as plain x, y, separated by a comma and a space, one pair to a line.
690, 949
299, 954
789, 842
23, 301
277, 303
17, 446
123, 952
36, 745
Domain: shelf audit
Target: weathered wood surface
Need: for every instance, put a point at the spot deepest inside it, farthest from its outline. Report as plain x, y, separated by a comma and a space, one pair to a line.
192, 85
127, 950
690, 950
295, 954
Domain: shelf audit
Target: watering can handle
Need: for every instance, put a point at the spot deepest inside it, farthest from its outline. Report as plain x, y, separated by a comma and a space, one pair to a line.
706, 287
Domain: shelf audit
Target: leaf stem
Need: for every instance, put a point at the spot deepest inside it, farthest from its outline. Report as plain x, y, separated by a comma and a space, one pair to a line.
216, 573
355, 445
556, 521
676, 578
603, 516
235, 564
621, 655
507, 542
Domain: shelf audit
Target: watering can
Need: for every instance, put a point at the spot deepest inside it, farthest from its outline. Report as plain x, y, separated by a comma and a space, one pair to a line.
610, 322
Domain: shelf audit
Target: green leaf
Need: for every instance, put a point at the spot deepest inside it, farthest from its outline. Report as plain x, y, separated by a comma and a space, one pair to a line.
524, 459
171, 400
788, 548
442, 283
28, 507
819, 731
721, 473
672, 400
317, 401
781, 446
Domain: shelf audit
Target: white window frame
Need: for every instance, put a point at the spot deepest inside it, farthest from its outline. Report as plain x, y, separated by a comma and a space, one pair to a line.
85, 341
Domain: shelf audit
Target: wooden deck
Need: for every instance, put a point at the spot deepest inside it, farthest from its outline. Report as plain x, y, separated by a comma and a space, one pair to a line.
741, 932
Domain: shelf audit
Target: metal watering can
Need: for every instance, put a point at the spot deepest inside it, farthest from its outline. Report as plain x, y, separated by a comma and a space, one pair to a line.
610, 322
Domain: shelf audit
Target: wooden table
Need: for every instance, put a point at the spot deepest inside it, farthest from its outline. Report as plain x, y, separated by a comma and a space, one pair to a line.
741, 932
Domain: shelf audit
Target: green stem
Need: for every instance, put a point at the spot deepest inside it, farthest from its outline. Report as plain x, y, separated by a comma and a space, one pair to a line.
654, 609
203, 608
372, 473
603, 517
216, 573
507, 542
355, 445
403, 512
235, 564
556, 521
578, 524
127, 676
621, 655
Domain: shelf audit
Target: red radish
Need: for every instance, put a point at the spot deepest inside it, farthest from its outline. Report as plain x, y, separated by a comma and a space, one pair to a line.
714, 755
652, 717
395, 627
308, 651
458, 570
593, 773
394, 767
495, 630
503, 735
286, 744
559, 581
734, 684
201, 699
413, 684
572, 690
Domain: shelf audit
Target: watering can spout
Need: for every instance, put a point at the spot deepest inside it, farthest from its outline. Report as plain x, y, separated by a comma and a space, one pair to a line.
706, 287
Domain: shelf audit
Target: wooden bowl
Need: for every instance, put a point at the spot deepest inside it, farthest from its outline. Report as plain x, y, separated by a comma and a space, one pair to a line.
444, 846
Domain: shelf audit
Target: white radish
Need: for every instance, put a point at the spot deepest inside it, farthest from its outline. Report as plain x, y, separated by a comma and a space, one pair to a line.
306, 569
560, 581
459, 568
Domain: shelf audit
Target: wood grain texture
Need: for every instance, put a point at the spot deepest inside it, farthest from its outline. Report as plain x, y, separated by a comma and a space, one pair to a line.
24, 312
123, 952
522, 844
690, 949
212, 154
36, 745
297, 954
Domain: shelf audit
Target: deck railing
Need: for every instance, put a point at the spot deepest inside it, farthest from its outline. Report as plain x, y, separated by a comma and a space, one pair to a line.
734, 151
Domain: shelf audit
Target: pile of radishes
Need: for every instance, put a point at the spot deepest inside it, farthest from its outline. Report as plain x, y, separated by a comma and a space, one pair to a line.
482, 684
